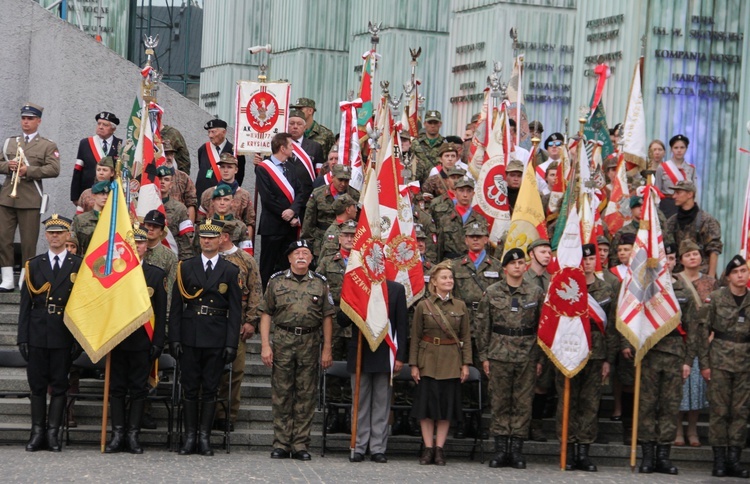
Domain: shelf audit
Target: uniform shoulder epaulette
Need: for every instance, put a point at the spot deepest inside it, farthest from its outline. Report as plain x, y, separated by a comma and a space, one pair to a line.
276, 274
320, 276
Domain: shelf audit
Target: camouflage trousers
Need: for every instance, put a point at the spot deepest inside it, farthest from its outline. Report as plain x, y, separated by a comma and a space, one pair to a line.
238, 374
661, 394
728, 398
294, 379
585, 393
337, 389
511, 394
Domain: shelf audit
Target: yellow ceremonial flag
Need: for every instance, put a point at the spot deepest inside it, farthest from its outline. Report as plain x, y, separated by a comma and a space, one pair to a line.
528, 222
104, 309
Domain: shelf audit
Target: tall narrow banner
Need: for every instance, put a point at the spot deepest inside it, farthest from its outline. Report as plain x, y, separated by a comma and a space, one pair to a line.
261, 112
635, 147
105, 308
349, 149
528, 222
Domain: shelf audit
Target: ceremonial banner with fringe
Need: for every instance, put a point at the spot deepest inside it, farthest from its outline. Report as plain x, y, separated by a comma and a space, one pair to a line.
647, 309
109, 299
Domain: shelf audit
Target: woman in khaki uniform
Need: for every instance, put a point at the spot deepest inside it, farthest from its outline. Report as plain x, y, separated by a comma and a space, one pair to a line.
439, 361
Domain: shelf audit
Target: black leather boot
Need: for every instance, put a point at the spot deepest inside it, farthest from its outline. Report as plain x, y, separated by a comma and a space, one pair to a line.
208, 410
570, 457
663, 464
720, 462
517, 459
647, 461
54, 422
583, 462
38, 423
734, 468
134, 426
191, 426
501, 452
117, 415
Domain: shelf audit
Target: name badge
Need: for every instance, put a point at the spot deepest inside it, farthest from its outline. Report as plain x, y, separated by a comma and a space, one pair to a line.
210, 173
491, 274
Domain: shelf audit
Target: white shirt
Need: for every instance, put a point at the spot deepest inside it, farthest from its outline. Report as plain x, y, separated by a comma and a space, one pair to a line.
213, 260
61, 257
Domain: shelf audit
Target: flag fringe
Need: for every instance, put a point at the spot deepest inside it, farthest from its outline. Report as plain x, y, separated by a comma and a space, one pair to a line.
374, 343
97, 354
551, 355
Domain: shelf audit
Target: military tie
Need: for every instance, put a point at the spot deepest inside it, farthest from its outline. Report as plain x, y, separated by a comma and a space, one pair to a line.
56, 267
27, 139
104, 147
209, 269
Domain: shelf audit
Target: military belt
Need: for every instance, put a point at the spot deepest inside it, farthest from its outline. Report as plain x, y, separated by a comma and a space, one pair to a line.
207, 310
506, 331
733, 337
439, 341
298, 330
51, 308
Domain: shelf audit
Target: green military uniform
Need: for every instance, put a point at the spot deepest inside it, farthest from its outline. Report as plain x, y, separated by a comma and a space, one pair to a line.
297, 307
177, 141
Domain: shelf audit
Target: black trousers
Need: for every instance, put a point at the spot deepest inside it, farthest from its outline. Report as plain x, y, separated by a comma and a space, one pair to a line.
272, 258
200, 370
48, 368
129, 372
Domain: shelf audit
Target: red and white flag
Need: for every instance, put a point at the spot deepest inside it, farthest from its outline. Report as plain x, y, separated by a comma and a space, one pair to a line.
564, 328
349, 149
617, 214
647, 309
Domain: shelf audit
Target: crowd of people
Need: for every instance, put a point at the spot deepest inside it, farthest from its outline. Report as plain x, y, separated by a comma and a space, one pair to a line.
481, 308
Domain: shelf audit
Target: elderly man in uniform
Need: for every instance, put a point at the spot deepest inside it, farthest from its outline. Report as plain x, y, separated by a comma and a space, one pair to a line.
204, 330
725, 364
91, 151
451, 239
41, 160
43, 339
133, 358
210, 153
183, 188
242, 204
506, 322
298, 303
427, 145
178, 220
314, 131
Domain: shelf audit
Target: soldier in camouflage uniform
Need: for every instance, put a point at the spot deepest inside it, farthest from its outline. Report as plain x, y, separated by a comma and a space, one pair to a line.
299, 304
427, 145
333, 268
177, 215
725, 364
345, 208
423, 217
84, 223
242, 202
157, 254
319, 214
179, 147
586, 386
183, 188
692, 223
251, 296
313, 130
506, 324
451, 239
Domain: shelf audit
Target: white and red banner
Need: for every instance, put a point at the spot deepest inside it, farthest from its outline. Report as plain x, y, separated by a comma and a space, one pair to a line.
564, 328
261, 112
349, 149
647, 309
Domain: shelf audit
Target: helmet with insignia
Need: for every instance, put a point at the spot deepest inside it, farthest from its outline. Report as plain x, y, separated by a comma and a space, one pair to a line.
139, 234
227, 159
514, 165
342, 202
688, 245
215, 123
433, 115
464, 181
513, 255
297, 244
475, 228
221, 190
538, 243
101, 187
31, 110
679, 137
107, 116
155, 217
588, 250
107, 161
164, 170
736, 262
348, 227
211, 228
56, 223
419, 231
342, 172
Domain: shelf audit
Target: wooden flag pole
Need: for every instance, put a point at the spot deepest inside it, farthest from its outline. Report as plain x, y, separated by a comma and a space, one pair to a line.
565, 416
355, 402
636, 399
105, 404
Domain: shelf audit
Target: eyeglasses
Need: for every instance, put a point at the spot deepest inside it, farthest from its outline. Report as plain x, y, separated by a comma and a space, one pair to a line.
555, 143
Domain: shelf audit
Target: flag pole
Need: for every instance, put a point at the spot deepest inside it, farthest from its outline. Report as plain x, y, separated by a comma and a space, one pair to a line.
103, 439
355, 402
636, 400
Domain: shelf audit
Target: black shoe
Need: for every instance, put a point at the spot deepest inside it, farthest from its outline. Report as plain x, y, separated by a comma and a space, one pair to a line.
279, 454
301, 455
379, 458
357, 457
148, 422
332, 423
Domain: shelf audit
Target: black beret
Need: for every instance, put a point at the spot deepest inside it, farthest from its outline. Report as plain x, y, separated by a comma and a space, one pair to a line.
215, 123
107, 116
679, 137
588, 250
513, 254
736, 262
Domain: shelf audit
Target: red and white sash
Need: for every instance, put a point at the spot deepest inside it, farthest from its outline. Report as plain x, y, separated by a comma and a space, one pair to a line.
620, 271
213, 158
304, 158
278, 177
674, 173
597, 314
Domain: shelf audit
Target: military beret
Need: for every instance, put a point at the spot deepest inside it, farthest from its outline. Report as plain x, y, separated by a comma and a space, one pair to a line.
419, 231
139, 234
636, 201
679, 137
456, 140
685, 185
588, 250
167, 146
303, 102
627, 238
514, 165
536, 126
602, 240
475, 228
107, 161
342, 172
455, 171
433, 115
164, 170
554, 137
155, 217
447, 148
227, 159
342, 201
348, 227
513, 254
464, 182
296, 113
211, 228
221, 190
736, 262
297, 244
688, 245
32, 110
538, 243
100, 187
670, 248
215, 123
107, 116
56, 223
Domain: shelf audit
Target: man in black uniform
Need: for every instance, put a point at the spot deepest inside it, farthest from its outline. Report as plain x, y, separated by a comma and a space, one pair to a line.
43, 339
209, 154
91, 151
204, 318
132, 359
